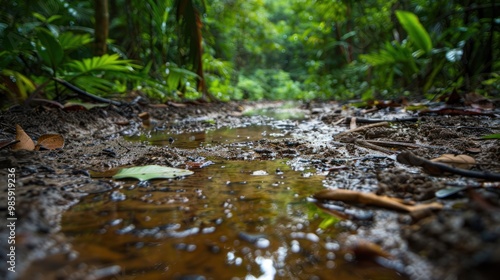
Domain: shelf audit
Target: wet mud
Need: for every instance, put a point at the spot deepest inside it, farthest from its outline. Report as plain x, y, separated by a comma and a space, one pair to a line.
247, 212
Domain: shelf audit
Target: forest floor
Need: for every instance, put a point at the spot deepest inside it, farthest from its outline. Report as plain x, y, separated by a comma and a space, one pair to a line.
459, 241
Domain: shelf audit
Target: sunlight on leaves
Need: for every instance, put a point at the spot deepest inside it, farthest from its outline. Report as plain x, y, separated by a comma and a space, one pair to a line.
102, 63
416, 30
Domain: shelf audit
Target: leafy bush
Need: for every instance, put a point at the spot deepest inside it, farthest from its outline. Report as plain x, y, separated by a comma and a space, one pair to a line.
270, 84
57, 52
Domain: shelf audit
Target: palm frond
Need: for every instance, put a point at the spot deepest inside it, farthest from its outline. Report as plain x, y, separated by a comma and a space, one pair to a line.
101, 63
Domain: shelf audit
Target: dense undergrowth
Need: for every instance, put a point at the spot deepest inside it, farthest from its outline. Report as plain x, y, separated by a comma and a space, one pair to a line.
235, 49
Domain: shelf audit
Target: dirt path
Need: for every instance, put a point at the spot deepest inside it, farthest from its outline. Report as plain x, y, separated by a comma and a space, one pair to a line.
459, 242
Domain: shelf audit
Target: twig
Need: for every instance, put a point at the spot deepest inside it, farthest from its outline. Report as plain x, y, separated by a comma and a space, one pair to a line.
409, 145
86, 94
362, 128
432, 167
341, 120
360, 120
372, 146
5, 144
51, 102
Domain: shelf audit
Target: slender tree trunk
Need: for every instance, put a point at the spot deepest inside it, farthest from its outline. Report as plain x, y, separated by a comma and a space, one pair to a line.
101, 26
349, 55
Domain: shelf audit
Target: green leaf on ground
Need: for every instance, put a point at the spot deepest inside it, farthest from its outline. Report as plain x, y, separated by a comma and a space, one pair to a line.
78, 105
492, 136
149, 172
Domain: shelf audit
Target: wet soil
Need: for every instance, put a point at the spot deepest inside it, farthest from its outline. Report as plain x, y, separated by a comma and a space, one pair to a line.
56, 194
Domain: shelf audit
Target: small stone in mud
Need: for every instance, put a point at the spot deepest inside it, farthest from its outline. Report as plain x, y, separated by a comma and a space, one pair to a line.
115, 222
185, 247
109, 152
252, 238
213, 248
126, 229
117, 196
143, 184
295, 247
262, 243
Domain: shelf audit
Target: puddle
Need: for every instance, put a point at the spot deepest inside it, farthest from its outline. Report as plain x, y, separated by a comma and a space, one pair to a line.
281, 113
219, 136
230, 220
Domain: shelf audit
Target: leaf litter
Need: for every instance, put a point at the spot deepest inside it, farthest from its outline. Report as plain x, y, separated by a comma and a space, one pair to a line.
44, 142
362, 168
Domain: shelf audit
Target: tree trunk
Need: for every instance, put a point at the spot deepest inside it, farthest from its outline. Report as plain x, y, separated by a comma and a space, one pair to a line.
101, 26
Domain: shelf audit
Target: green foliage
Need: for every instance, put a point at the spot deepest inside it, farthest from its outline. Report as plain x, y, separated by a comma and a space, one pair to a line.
99, 64
269, 84
236, 49
415, 30
49, 49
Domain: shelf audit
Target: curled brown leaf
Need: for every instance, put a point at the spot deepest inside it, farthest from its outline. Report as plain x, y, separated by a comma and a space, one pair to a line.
459, 161
25, 142
50, 142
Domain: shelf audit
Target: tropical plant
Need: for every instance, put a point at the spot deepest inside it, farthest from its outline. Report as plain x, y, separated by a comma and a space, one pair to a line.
234, 49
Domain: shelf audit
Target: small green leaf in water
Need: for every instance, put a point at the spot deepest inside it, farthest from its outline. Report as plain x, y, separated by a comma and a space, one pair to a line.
149, 172
328, 222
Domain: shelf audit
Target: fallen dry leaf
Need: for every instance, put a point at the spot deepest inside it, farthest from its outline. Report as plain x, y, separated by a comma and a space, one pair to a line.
476, 100
50, 142
458, 161
25, 142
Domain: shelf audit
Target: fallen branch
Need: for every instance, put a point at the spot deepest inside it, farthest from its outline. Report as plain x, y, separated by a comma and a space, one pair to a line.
393, 144
361, 120
362, 128
368, 145
375, 200
7, 143
437, 168
85, 94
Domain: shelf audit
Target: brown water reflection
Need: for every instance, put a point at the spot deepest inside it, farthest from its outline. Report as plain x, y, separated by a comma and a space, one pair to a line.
223, 222
224, 135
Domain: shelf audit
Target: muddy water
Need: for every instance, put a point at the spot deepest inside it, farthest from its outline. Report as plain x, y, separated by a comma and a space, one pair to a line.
206, 138
229, 220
